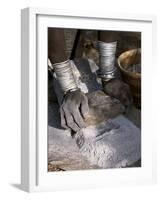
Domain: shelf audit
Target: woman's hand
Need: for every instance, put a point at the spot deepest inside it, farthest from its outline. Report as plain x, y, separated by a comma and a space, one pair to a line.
73, 110
119, 90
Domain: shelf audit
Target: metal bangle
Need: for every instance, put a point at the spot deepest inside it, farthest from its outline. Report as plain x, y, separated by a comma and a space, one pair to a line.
65, 76
107, 59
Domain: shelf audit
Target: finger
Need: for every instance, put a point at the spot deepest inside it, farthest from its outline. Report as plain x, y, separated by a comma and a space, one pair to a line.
127, 96
78, 118
84, 107
125, 100
80, 140
130, 96
70, 122
63, 121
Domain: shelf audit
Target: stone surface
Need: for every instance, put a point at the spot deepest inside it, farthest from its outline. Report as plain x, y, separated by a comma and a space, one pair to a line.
117, 137
102, 107
63, 153
119, 141
113, 143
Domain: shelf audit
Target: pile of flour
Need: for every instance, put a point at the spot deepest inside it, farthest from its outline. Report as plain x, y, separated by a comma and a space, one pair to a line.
112, 143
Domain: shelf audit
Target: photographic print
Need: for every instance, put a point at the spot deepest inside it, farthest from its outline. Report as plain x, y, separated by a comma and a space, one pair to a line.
86, 112
94, 99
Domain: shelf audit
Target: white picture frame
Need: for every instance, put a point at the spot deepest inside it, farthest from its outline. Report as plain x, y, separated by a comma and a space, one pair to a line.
34, 174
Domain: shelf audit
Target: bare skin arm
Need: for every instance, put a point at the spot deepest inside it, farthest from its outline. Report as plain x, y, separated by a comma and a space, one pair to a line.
115, 88
75, 104
56, 45
107, 36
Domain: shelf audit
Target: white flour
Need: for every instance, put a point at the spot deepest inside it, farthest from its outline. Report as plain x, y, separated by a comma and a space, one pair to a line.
114, 143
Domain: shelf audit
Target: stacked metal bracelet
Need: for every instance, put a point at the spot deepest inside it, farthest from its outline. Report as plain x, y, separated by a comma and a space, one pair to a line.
107, 53
65, 77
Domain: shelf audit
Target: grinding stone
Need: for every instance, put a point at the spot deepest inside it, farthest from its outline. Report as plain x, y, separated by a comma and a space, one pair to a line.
110, 139
111, 144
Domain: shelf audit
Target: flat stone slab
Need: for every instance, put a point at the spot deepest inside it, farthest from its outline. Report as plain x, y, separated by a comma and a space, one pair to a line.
110, 140
63, 152
112, 143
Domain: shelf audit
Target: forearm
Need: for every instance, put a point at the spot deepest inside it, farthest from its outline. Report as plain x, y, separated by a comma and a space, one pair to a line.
108, 70
57, 55
107, 36
56, 45
107, 43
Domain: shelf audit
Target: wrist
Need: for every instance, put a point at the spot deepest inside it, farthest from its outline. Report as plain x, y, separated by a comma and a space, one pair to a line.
106, 76
72, 91
65, 76
107, 68
106, 81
